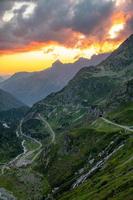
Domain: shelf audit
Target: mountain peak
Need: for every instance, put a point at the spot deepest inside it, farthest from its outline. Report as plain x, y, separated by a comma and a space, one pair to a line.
57, 63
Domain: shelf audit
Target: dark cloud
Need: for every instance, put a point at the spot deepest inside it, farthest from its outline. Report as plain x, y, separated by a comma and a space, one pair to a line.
55, 20
5, 5
90, 14
130, 24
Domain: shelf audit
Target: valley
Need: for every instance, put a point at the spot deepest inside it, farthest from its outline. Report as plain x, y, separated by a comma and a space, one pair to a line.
75, 144
117, 139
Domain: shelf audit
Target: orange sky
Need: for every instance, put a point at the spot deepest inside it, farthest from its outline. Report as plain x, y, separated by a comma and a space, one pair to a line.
40, 55
43, 57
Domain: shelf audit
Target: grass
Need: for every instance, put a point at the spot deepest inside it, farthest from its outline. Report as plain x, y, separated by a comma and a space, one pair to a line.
123, 115
25, 184
30, 144
100, 125
10, 145
59, 164
75, 147
113, 182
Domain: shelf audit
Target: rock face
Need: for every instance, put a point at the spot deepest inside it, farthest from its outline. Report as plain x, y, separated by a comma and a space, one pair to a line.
32, 87
7, 101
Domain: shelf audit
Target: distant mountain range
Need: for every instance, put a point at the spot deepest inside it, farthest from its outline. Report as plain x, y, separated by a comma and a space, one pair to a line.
4, 77
7, 101
93, 90
1, 79
32, 87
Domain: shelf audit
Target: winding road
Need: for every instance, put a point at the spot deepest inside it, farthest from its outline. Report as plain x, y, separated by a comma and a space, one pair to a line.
118, 125
24, 158
49, 127
27, 157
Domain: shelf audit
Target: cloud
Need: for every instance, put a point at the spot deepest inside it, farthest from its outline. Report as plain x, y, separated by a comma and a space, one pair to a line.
67, 22
90, 14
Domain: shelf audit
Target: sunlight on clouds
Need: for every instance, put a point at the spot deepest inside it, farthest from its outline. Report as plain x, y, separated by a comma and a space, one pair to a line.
115, 29
45, 56
29, 11
119, 2
68, 54
9, 14
38, 49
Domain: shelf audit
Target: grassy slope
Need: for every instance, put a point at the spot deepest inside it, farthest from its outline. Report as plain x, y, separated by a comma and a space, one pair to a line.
25, 184
7, 101
76, 147
115, 180
10, 145
13, 115
124, 114
72, 152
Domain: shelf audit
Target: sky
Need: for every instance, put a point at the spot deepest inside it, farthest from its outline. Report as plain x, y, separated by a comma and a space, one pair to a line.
36, 33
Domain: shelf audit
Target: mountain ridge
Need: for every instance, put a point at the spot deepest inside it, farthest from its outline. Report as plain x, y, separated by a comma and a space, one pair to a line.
8, 101
91, 88
31, 87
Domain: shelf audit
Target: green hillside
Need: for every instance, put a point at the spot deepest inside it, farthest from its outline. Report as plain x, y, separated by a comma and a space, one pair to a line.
79, 140
7, 101
10, 145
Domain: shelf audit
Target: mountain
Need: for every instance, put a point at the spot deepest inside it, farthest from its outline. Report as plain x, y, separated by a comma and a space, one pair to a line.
32, 87
4, 77
86, 131
121, 58
1, 79
91, 91
7, 101
14, 114
79, 140
10, 145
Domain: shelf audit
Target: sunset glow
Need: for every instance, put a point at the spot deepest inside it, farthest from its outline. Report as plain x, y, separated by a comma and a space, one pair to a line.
115, 29
42, 59
29, 43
